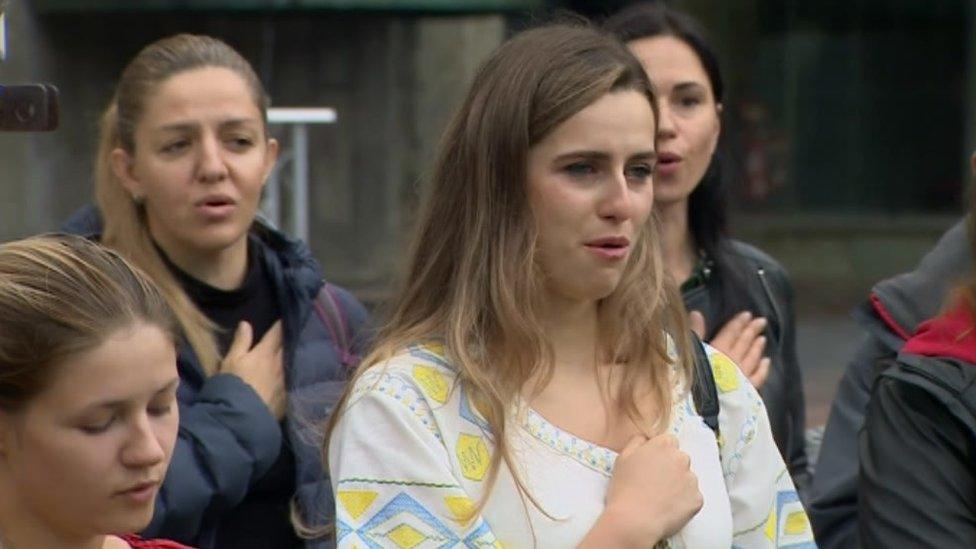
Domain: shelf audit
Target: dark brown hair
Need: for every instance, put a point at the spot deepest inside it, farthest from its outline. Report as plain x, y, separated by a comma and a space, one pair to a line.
708, 203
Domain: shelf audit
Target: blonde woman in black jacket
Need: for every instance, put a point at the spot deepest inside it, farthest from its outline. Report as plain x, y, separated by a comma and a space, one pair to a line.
741, 299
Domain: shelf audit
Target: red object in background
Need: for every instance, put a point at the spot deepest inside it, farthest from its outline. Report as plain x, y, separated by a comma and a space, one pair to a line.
137, 542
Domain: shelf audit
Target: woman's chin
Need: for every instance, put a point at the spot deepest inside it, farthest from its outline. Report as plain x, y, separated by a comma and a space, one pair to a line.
671, 193
131, 521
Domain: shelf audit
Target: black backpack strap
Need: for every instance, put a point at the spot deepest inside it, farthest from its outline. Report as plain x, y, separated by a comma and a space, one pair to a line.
330, 312
703, 390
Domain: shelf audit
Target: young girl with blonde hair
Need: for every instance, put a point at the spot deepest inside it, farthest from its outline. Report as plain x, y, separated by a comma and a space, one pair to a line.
88, 382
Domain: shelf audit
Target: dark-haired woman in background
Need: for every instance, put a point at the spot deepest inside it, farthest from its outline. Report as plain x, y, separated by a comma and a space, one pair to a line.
741, 299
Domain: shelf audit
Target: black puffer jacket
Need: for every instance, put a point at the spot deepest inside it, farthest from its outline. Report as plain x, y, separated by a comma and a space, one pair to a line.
917, 485
892, 313
770, 295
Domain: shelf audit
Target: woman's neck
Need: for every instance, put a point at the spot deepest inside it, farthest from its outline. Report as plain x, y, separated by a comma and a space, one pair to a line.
224, 269
571, 328
677, 242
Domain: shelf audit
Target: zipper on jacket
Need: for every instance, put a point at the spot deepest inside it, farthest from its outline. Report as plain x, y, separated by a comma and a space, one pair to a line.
769, 296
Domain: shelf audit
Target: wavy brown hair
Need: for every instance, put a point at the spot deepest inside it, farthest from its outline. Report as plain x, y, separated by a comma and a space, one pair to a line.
472, 281
125, 226
61, 296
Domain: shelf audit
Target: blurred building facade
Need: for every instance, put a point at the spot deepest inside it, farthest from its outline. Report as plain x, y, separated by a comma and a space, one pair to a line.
392, 70
848, 127
848, 124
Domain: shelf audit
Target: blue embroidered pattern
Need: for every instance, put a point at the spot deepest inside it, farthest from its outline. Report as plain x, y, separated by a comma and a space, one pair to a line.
402, 389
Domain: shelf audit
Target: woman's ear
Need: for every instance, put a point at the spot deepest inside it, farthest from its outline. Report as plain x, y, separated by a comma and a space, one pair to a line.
122, 168
270, 157
718, 127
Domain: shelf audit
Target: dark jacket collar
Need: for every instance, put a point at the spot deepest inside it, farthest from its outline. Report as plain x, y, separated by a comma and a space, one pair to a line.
292, 255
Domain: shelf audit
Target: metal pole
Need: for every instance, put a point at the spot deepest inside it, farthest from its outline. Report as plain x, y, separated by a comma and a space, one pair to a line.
272, 199
298, 118
299, 195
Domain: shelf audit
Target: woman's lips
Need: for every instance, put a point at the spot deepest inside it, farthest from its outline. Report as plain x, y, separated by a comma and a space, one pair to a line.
216, 209
141, 493
667, 164
611, 248
611, 254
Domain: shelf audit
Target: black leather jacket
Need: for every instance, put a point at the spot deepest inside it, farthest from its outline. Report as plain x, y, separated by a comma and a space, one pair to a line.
770, 295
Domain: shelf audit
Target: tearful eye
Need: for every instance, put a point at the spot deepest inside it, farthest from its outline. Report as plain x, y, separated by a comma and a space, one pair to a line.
579, 169
640, 172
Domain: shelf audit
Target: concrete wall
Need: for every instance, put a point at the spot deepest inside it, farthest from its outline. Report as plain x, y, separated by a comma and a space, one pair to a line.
393, 80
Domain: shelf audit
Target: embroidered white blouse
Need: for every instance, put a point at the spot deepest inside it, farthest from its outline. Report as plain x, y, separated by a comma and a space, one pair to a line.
410, 454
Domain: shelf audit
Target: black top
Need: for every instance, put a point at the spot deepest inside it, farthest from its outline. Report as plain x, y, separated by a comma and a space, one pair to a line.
917, 485
254, 301
262, 519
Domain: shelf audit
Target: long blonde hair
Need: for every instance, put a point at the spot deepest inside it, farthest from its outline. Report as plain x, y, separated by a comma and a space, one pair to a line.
61, 296
472, 281
125, 226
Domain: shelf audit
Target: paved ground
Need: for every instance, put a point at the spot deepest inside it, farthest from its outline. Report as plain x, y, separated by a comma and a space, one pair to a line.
825, 343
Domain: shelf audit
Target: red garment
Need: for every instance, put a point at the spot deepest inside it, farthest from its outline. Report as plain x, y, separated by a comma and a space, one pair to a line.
879, 307
136, 542
951, 335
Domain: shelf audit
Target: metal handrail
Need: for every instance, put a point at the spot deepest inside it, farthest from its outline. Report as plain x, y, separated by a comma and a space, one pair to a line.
298, 118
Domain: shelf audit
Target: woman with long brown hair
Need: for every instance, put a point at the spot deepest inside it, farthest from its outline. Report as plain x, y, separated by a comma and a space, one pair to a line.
88, 414
185, 153
531, 385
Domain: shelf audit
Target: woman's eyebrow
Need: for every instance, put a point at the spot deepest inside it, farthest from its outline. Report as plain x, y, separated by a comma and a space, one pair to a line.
689, 85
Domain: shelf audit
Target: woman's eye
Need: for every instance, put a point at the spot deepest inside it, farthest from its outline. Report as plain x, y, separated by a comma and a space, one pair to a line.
640, 172
240, 143
579, 169
175, 146
689, 101
159, 411
96, 428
